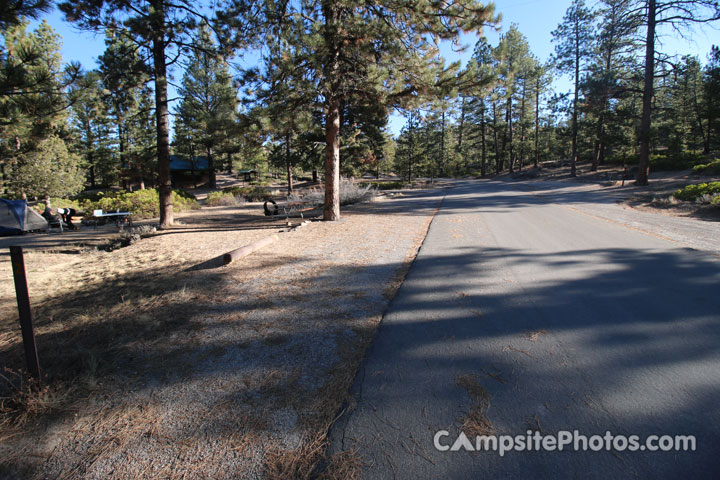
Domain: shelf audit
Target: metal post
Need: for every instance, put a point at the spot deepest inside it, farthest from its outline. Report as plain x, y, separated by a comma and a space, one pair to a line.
23, 301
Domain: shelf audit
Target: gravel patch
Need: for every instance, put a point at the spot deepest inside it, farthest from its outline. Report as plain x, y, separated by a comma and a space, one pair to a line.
173, 366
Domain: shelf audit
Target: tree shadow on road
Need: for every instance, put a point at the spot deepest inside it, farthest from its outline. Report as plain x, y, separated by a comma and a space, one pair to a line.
619, 339
260, 350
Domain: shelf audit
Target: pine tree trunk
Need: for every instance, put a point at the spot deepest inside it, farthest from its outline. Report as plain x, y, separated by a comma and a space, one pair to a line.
522, 128
92, 171
290, 178
573, 152
461, 126
698, 115
411, 143
121, 149
212, 176
442, 146
288, 164
331, 69
510, 133
537, 121
645, 120
706, 148
161, 115
483, 152
498, 162
331, 211
599, 156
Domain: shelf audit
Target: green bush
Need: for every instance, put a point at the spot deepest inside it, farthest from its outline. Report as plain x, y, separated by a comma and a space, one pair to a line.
141, 203
95, 196
619, 159
682, 161
712, 168
59, 203
261, 182
215, 199
693, 192
251, 194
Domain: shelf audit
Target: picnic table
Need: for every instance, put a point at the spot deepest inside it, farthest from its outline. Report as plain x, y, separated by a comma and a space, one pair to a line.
118, 217
289, 208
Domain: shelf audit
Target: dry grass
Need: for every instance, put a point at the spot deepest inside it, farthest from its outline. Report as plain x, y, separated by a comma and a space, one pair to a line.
350, 192
297, 464
475, 422
158, 368
26, 399
346, 465
309, 461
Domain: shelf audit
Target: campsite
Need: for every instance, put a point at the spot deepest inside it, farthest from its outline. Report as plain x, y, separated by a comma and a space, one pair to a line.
384, 240
17, 218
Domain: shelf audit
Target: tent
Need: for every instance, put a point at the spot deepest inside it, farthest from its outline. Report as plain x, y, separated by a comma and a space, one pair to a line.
17, 217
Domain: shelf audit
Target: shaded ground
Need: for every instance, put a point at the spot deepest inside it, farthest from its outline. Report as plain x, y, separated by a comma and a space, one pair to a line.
160, 363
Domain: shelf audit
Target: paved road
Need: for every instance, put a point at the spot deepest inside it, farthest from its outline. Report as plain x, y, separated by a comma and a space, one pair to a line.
626, 330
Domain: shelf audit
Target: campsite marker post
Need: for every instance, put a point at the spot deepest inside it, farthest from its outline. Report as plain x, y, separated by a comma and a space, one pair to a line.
23, 301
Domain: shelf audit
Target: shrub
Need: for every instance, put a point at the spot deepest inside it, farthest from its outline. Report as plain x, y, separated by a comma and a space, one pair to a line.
142, 203
679, 161
59, 203
251, 194
95, 195
620, 159
694, 192
215, 199
659, 161
261, 182
350, 192
712, 168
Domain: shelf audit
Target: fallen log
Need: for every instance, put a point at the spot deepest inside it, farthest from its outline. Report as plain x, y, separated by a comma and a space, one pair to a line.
248, 249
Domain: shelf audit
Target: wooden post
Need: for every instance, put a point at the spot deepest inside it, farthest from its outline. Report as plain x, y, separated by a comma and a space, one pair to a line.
23, 301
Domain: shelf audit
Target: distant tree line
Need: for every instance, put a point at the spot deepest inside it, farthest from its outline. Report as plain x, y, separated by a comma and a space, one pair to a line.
330, 73
510, 117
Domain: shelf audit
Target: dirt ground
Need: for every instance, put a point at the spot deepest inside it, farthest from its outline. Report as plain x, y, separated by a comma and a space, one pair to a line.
159, 362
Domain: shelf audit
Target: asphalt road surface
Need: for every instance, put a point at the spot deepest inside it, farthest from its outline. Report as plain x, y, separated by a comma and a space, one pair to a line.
565, 318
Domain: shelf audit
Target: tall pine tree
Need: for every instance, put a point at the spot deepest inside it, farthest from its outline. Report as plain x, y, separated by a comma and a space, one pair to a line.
574, 39
679, 14
208, 102
162, 28
380, 52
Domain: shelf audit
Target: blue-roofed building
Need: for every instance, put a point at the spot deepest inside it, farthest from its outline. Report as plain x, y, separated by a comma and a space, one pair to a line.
185, 172
182, 164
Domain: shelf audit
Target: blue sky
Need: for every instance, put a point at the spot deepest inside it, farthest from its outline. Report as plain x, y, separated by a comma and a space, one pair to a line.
536, 19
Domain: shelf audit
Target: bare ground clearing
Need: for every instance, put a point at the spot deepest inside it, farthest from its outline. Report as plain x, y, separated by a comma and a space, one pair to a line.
162, 364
